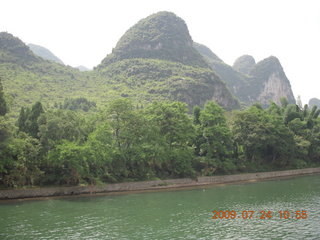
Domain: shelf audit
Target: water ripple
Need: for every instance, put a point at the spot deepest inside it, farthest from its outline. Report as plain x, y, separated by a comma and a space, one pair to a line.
171, 215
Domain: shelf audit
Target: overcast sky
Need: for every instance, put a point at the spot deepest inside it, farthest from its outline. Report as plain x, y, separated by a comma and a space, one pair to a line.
83, 32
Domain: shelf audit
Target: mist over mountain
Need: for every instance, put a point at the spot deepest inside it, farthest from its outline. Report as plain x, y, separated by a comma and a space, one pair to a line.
83, 68
206, 53
244, 64
314, 102
44, 53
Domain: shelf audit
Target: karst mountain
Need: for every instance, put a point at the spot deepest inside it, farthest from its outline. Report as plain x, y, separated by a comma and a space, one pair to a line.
155, 60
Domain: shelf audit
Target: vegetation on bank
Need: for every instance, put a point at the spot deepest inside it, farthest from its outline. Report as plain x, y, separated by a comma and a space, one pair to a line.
71, 144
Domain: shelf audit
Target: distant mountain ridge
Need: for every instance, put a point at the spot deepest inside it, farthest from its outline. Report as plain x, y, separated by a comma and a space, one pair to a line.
244, 64
48, 55
314, 102
27, 78
83, 68
252, 82
44, 53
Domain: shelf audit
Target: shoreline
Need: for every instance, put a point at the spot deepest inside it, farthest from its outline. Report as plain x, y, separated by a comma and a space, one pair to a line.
150, 186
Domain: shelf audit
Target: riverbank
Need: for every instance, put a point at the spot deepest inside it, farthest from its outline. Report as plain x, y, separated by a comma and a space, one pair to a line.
151, 185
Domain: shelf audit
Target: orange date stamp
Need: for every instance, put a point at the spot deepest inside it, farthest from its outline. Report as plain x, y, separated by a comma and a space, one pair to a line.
248, 214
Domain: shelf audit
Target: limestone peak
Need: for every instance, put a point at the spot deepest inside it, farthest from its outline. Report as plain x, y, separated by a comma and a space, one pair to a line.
162, 35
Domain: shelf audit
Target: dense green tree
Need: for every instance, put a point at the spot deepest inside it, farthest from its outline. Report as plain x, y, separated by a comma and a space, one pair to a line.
314, 138
70, 162
78, 103
196, 115
100, 146
28, 119
20, 161
291, 112
3, 104
177, 131
23, 116
305, 127
5, 135
311, 116
198, 140
4, 131
70, 159
162, 140
137, 145
58, 125
174, 122
32, 121
274, 109
284, 102
262, 138
217, 144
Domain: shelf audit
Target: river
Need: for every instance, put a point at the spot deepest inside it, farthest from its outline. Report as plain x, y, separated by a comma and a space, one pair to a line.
277, 209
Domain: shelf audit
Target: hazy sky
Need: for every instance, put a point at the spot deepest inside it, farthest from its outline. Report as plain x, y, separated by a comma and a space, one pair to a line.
83, 32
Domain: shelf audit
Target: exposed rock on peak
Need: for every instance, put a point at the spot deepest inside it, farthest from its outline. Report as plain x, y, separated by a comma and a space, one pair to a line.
244, 64
160, 36
271, 82
250, 82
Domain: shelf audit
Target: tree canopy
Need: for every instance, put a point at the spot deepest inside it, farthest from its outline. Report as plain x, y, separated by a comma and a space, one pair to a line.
125, 142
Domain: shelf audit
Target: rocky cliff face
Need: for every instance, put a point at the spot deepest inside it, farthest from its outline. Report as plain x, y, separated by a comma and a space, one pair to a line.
270, 83
250, 82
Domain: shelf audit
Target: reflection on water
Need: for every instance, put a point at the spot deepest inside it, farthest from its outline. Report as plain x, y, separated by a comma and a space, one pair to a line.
171, 215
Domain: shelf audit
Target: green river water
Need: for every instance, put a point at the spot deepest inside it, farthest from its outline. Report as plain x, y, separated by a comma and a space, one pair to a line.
183, 214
